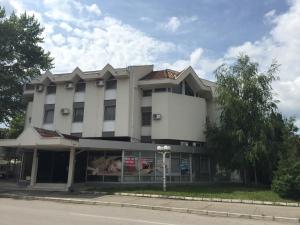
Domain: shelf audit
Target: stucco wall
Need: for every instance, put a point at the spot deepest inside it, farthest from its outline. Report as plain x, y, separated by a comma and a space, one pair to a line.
183, 117
38, 109
93, 110
64, 99
122, 108
28, 114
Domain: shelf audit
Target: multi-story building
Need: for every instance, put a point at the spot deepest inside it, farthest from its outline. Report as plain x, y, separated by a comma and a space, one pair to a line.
105, 126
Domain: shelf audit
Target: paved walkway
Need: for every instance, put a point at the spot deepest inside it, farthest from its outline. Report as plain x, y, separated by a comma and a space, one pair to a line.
265, 210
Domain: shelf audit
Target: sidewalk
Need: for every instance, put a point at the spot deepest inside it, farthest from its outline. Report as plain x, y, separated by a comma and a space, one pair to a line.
276, 213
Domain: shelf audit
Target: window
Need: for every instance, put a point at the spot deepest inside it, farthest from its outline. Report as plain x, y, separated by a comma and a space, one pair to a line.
146, 116
80, 86
111, 84
109, 109
49, 113
51, 89
78, 111
188, 90
146, 139
147, 93
177, 89
160, 90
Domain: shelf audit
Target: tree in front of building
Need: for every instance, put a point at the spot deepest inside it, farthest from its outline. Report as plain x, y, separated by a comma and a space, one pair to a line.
241, 141
287, 177
21, 59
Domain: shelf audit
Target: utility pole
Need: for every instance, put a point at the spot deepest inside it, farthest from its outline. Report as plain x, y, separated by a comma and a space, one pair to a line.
164, 150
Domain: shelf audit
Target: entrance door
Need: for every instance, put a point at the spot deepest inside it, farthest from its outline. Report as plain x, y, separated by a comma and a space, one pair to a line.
53, 166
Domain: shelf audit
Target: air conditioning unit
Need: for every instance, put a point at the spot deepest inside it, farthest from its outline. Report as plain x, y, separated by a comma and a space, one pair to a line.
156, 116
69, 85
65, 111
39, 88
100, 83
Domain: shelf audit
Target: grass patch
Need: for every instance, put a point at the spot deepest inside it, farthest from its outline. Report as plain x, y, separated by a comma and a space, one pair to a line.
225, 191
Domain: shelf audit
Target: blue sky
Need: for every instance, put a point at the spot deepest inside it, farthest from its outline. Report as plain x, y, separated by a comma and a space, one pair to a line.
173, 34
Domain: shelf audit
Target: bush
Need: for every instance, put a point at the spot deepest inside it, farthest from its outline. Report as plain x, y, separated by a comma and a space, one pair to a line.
287, 179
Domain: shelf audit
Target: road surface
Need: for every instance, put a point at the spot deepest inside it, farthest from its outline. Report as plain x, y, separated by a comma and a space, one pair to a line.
15, 212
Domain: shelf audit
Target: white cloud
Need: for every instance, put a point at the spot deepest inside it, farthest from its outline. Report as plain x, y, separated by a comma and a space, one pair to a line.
282, 44
65, 26
94, 9
58, 39
172, 24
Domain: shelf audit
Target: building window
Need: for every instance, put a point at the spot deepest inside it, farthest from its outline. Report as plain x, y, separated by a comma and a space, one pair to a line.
160, 89
49, 113
146, 139
51, 89
80, 86
146, 116
188, 90
109, 109
177, 89
111, 84
78, 111
147, 93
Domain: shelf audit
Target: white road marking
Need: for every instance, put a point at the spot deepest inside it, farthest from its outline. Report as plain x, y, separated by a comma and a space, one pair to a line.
121, 219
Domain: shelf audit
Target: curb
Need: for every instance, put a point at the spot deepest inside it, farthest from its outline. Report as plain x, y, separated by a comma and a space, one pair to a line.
252, 202
160, 208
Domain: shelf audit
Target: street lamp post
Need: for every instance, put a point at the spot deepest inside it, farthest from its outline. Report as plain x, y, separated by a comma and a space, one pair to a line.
164, 150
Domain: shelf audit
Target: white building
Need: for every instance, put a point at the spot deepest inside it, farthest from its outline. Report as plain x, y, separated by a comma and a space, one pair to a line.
105, 125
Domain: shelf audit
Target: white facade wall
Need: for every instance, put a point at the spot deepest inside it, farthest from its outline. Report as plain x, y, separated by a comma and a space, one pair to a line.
64, 99
38, 109
28, 114
93, 110
182, 117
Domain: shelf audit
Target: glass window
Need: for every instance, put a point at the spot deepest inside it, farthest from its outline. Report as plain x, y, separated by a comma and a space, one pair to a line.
159, 166
51, 89
147, 93
49, 113
147, 162
146, 139
111, 84
78, 111
185, 164
109, 109
146, 116
188, 90
80, 86
131, 166
177, 89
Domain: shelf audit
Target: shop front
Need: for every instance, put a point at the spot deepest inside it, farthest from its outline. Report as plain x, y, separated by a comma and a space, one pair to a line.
101, 161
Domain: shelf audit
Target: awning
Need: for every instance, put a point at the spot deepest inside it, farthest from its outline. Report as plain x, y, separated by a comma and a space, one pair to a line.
33, 137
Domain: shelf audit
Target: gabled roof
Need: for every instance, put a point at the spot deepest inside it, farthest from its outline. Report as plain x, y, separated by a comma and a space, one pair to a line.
161, 74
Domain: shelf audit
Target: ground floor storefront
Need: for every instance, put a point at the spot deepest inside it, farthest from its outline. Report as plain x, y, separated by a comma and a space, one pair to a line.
47, 157
112, 166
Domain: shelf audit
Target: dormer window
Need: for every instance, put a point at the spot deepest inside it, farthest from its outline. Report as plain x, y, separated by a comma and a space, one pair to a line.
111, 83
80, 86
51, 89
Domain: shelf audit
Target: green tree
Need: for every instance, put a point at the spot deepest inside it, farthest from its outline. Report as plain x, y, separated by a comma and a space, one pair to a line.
287, 178
21, 59
245, 97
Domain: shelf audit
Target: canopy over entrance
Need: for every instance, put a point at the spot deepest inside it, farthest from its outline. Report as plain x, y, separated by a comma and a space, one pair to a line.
33, 137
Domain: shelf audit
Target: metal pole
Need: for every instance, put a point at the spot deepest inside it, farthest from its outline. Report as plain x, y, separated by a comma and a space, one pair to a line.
164, 171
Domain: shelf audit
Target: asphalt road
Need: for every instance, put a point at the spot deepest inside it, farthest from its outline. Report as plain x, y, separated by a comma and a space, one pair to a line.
15, 212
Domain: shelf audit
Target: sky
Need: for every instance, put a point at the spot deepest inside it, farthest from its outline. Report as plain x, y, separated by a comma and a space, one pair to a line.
173, 34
